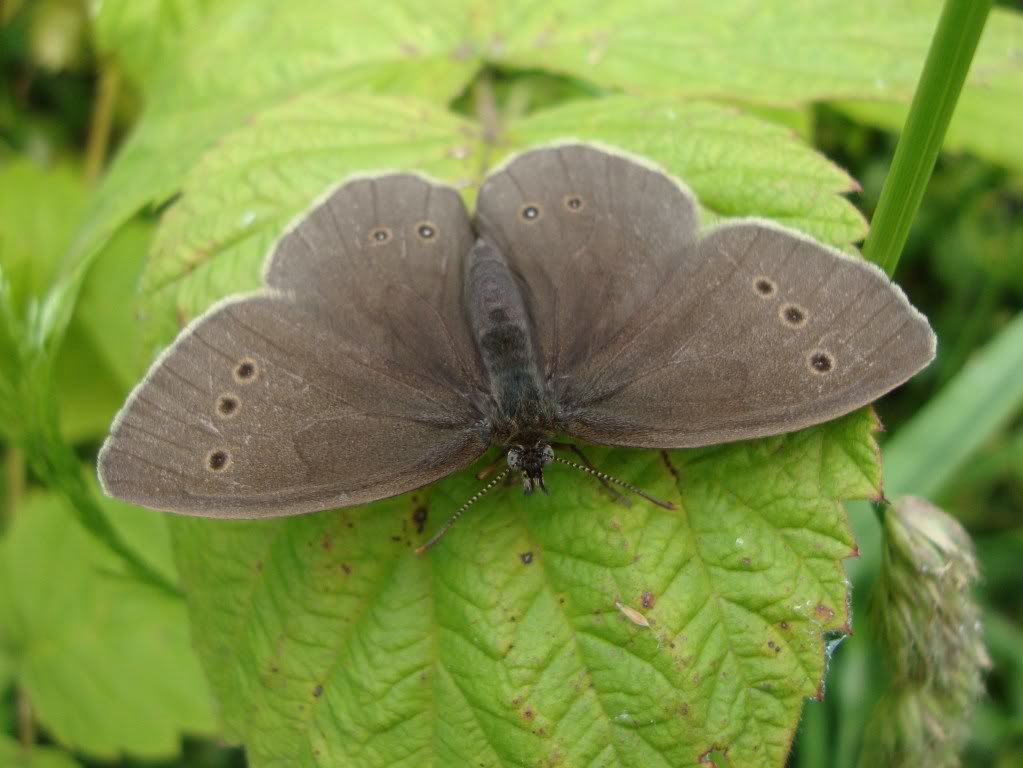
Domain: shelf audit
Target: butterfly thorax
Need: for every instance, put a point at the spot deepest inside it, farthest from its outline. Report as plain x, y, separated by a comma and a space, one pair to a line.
521, 410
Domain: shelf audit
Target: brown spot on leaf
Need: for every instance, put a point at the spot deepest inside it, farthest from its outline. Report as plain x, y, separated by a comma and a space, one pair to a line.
318, 691
526, 558
647, 600
346, 568
824, 611
419, 515
327, 543
528, 714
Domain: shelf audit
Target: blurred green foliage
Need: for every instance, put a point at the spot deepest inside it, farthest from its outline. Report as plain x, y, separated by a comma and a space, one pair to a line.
156, 83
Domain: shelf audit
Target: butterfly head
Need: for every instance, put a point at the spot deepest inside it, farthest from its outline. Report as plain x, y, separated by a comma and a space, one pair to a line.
530, 461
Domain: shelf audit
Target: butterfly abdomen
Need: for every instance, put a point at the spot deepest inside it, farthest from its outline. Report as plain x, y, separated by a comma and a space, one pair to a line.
501, 328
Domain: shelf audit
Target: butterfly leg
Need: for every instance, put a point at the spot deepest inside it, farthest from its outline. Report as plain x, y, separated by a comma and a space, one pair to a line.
619, 497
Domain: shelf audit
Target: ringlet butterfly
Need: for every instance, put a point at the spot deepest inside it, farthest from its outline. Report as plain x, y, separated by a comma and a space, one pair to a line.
397, 339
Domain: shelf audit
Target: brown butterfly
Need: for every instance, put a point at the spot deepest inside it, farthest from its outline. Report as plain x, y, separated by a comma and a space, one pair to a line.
397, 340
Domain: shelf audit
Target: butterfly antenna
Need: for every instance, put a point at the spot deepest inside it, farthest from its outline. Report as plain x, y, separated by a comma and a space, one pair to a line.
454, 518
608, 479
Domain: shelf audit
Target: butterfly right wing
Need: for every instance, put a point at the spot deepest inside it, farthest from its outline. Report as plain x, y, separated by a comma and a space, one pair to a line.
350, 381
654, 337
592, 236
763, 331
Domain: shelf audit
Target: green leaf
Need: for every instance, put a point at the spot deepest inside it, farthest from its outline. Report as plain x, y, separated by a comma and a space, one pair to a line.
239, 198
735, 163
982, 399
107, 311
87, 394
107, 665
39, 210
144, 34
145, 531
102, 356
778, 53
35, 315
301, 45
12, 755
990, 110
781, 53
218, 84
319, 637
329, 643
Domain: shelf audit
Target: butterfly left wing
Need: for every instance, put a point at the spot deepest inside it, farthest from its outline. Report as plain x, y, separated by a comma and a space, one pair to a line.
260, 410
352, 379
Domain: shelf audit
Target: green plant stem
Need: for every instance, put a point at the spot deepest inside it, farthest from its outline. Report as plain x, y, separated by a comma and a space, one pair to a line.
14, 467
102, 121
488, 115
948, 62
58, 464
26, 722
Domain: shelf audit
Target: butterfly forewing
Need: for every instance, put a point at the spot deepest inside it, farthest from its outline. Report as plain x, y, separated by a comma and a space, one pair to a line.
382, 259
592, 236
353, 379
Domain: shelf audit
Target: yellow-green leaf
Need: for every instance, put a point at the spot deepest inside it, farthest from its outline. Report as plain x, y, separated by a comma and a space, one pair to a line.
104, 659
